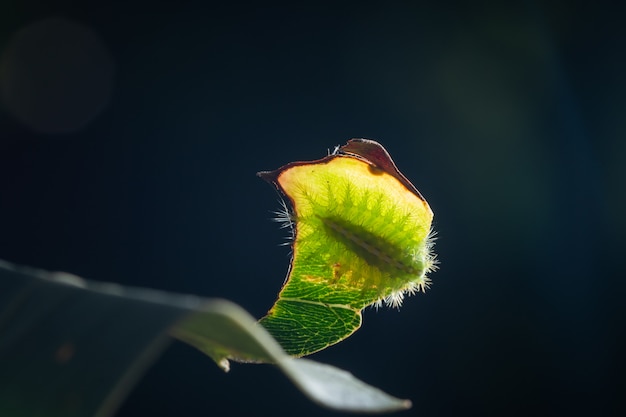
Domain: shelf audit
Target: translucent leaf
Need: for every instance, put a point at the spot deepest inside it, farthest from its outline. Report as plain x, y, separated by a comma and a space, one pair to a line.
361, 236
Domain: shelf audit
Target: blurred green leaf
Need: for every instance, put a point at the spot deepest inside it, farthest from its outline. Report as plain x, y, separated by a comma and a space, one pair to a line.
74, 348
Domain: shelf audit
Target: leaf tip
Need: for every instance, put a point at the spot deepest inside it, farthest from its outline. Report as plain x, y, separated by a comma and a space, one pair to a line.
224, 364
269, 176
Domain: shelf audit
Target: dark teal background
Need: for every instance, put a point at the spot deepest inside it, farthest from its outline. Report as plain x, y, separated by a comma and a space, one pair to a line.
510, 119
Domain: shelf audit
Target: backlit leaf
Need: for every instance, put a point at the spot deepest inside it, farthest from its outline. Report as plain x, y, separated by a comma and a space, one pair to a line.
361, 236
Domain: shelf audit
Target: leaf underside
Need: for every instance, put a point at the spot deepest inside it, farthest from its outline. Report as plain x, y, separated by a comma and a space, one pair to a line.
74, 348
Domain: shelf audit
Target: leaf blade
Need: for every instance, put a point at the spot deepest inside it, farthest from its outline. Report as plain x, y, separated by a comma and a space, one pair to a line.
362, 236
53, 325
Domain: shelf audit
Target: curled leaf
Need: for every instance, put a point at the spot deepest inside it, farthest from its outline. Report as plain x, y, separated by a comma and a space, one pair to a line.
362, 236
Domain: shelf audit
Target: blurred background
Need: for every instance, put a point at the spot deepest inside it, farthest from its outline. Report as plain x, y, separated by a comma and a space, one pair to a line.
130, 136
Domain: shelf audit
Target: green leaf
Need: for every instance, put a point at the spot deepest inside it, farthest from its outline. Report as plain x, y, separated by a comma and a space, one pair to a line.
74, 348
361, 236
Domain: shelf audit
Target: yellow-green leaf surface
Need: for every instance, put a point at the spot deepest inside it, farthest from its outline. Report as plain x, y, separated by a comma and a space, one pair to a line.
361, 236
